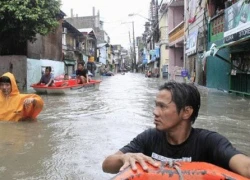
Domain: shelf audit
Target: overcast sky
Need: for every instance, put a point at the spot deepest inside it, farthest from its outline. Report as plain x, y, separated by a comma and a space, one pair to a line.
114, 13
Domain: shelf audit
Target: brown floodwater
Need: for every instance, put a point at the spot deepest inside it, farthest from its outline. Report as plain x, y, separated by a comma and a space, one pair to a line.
73, 134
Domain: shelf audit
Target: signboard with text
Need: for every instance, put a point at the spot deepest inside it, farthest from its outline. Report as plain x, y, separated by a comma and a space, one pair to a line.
191, 43
237, 22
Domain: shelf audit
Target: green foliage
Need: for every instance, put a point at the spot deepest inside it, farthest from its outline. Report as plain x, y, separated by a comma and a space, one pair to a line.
21, 20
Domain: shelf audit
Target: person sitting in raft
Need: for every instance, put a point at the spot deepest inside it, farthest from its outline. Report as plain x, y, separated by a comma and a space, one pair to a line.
15, 106
176, 109
82, 73
47, 78
65, 80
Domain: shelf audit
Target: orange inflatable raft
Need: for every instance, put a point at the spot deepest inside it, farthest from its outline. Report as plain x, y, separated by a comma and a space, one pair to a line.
186, 171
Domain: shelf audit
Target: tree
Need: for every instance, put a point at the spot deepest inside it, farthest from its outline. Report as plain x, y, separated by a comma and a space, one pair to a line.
21, 20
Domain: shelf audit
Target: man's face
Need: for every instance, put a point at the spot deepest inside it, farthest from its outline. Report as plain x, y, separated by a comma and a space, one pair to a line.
5, 88
47, 72
66, 77
166, 116
80, 67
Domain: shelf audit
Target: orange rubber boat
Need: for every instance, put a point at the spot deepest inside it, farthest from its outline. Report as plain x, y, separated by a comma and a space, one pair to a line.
186, 171
66, 87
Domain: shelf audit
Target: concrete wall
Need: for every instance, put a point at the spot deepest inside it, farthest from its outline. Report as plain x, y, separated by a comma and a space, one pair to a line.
164, 43
47, 47
193, 62
16, 65
175, 16
176, 59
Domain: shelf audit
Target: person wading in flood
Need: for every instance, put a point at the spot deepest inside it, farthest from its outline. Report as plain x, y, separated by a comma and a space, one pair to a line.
176, 109
15, 106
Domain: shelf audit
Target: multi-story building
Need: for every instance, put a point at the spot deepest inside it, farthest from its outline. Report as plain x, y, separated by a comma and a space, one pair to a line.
71, 47
93, 22
88, 44
117, 48
152, 39
163, 40
176, 38
185, 30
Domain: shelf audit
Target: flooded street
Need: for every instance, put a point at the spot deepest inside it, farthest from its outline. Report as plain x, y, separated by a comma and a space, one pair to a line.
75, 133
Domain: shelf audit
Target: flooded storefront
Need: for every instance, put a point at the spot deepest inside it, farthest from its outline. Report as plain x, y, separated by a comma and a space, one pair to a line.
74, 134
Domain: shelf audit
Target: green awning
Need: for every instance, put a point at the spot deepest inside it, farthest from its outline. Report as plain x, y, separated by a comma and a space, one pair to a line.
69, 62
234, 42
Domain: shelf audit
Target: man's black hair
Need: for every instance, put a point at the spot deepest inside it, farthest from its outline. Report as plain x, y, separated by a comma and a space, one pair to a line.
183, 95
48, 68
5, 79
82, 63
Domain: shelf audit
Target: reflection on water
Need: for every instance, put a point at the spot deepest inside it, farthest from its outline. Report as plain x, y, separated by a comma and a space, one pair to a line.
75, 133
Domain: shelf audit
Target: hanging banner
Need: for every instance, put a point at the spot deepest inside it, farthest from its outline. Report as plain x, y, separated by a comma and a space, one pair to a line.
191, 43
237, 22
192, 11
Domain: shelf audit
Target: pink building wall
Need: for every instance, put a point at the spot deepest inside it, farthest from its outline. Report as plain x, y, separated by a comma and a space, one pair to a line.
175, 17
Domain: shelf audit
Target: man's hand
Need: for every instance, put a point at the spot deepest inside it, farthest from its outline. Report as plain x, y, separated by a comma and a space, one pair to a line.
27, 102
130, 159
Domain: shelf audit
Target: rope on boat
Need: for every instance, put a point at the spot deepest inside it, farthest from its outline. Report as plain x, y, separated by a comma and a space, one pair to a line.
175, 165
178, 169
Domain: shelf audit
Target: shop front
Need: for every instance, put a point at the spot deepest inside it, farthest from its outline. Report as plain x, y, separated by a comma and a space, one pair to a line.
229, 69
69, 66
237, 37
240, 68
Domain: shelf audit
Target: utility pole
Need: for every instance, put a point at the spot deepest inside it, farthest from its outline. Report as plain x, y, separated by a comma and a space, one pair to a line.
134, 53
134, 60
131, 51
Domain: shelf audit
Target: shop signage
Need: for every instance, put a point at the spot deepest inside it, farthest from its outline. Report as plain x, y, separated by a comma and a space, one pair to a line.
191, 43
237, 22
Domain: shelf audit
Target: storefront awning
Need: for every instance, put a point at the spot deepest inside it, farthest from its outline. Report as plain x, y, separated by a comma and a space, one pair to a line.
233, 43
69, 62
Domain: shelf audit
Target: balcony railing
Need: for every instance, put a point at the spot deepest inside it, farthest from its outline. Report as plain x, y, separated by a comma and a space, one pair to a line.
68, 47
177, 32
72, 48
